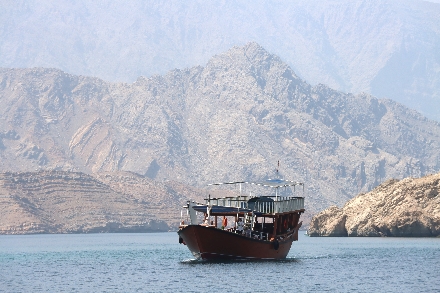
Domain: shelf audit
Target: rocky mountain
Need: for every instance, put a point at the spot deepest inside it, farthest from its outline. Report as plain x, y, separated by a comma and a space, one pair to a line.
406, 208
230, 120
388, 48
74, 202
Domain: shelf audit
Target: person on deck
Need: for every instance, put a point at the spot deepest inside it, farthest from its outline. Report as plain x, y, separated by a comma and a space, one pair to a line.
240, 226
224, 222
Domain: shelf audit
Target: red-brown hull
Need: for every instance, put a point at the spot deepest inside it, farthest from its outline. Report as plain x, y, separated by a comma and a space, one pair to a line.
211, 243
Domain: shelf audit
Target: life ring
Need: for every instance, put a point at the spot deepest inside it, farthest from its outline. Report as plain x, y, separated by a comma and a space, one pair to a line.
276, 245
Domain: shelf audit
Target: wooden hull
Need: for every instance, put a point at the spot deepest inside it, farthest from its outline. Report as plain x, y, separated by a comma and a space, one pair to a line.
211, 243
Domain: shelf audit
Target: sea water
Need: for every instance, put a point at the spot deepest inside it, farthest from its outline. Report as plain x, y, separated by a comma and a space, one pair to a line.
156, 262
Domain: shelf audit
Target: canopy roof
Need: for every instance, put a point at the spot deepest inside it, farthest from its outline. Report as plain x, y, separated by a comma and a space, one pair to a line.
276, 183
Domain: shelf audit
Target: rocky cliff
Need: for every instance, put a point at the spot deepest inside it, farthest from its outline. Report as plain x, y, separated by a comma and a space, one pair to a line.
230, 120
73, 202
406, 208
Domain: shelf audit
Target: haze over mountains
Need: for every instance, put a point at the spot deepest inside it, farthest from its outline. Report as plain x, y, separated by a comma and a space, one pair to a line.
388, 48
230, 120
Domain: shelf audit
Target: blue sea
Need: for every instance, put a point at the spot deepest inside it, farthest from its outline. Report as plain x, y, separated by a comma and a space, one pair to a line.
156, 262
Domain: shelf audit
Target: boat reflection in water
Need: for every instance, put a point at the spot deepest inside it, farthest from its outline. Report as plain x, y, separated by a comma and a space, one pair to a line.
262, 227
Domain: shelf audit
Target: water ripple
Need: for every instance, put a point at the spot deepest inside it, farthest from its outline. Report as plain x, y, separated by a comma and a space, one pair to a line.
157, 263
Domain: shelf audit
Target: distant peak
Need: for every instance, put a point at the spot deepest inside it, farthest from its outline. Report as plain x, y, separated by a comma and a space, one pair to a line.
254, 46
251, 50
251, 53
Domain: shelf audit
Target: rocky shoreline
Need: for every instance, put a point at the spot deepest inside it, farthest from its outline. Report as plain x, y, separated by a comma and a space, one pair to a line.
406, 208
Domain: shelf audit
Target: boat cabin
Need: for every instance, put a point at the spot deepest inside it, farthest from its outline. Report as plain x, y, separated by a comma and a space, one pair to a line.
268, 218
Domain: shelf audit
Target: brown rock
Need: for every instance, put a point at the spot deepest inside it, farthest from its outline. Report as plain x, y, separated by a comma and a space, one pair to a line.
332, 222
407, 208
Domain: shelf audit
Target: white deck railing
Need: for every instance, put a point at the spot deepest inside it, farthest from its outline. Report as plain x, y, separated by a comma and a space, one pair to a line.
280, 205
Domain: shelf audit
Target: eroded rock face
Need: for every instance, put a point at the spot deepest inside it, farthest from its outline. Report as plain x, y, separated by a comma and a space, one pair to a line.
73, 202
406, 208
332, 222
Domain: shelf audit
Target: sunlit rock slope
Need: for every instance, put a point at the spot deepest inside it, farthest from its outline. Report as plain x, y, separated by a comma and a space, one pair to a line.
406, 208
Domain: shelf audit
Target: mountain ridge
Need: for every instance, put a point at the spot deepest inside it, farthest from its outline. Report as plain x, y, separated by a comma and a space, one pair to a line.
386, 48
230, 120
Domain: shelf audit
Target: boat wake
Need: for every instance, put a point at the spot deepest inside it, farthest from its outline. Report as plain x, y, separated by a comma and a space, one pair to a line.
234, 261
